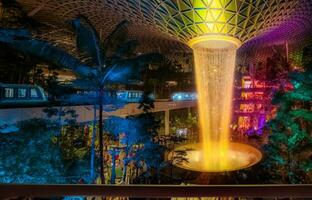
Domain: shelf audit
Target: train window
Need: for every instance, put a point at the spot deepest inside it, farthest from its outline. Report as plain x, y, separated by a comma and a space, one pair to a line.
21, 93
8, 92
33, 93
120, 95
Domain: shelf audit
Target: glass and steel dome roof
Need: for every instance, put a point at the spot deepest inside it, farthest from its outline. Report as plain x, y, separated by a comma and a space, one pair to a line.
167, 24
242, 19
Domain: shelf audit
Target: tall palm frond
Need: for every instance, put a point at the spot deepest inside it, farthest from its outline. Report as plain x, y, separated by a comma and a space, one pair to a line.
126, 71
22, 41
117, 37
126, 49
14, 33
88, 40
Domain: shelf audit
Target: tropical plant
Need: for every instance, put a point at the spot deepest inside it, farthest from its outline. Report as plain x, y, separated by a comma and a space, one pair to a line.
111, 60
152, 153
74, 152
289, 150
114, 60
189, 122
30, 156
139, 132
62, 114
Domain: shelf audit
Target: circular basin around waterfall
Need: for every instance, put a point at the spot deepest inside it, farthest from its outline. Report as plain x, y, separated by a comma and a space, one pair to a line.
240, 156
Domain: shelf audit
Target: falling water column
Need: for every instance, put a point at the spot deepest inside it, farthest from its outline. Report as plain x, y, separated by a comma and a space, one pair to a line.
214, 69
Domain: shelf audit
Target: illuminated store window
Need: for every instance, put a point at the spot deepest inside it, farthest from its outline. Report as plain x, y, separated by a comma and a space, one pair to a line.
248, 108
259, 107
254, 123
247, 95
246, 82
259, 95
244, 122
259, 84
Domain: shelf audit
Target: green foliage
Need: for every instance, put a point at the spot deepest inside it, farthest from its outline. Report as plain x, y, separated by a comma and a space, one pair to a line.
301, 113
88, 40
179, 157
36, 154
30, 156
289, 149
190, 122
39, 49
116, 38
74, 151
112, 61
307, 166
61, 115
152, 153
138, 140
33, 125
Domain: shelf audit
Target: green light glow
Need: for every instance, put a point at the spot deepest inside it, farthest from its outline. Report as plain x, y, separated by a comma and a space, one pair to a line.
241, 19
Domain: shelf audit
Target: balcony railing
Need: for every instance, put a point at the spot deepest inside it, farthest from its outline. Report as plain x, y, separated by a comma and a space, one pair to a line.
12, 191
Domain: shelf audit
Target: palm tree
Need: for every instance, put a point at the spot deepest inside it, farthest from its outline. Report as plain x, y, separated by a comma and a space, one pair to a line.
112, 60
157, 79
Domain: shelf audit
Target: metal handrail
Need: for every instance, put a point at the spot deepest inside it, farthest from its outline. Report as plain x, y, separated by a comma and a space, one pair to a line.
8, 191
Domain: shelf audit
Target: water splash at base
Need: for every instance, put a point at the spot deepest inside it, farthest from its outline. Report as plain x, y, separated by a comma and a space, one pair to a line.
239, 156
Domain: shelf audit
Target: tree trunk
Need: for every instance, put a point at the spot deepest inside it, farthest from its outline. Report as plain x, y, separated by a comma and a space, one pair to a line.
113, 176
60, 120
124, 175
154, 84
93, 145
171, 172
101, 137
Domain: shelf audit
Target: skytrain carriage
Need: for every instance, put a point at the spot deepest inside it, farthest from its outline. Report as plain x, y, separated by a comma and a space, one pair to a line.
21, 95
183, 96
132, 96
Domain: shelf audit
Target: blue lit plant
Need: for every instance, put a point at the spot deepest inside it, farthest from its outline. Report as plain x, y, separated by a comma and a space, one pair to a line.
28, 156
112, 61
139, 132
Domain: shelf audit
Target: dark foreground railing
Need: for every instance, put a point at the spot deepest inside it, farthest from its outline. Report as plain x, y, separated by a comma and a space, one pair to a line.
11, 191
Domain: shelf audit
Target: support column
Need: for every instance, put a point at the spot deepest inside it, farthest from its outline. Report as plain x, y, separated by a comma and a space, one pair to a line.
167, 122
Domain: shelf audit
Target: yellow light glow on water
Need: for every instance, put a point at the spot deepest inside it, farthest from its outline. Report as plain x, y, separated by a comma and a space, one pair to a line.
240, 156
214, 69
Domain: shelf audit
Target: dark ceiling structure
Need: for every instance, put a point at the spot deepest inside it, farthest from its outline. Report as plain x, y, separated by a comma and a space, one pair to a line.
167, 25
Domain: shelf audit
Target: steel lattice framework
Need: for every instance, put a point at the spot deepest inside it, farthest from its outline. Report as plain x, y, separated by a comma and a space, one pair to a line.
242, 19
164, 24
